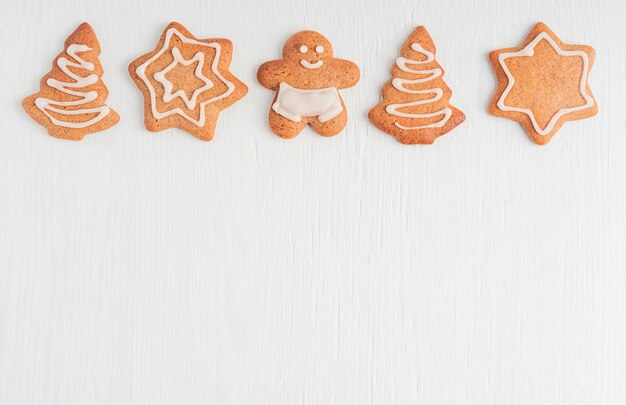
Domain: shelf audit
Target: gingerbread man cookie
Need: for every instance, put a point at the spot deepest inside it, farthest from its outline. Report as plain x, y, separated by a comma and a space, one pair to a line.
307, 81
186, 82
71, 99
543, 83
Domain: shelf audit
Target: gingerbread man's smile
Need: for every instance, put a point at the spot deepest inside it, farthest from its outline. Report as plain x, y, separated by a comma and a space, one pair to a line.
311, 65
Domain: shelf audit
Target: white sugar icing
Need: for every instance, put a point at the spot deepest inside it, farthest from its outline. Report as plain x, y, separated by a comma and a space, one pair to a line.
438, 93
168, 86
85, 97
141, 72
294, 104
310, 65
529, 50
399, 84
403, 62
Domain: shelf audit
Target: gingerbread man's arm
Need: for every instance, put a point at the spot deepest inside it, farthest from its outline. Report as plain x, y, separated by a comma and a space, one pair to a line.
350, 73
270, 74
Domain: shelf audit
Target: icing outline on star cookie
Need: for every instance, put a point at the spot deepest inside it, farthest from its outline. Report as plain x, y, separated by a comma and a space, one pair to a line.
168, 86
529, 50
141, 72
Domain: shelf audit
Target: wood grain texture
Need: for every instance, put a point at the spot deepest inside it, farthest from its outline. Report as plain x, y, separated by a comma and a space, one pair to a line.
141, 268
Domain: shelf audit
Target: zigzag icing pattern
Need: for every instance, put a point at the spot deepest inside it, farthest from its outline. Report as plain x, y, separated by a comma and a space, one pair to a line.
85, 97
399, 84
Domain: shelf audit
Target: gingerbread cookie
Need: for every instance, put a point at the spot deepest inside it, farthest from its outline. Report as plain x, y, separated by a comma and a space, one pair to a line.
415, 106
186, 82
71, 99
307, 81
543, 83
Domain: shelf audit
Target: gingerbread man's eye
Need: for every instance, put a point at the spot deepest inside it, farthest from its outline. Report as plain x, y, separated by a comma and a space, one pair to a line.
319, 49
304, 49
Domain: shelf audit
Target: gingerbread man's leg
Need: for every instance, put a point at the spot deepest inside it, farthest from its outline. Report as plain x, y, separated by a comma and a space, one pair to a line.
331, 127
284, 127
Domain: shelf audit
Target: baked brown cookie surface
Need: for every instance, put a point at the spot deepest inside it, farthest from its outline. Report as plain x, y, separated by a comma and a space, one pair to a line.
186, 82
307, 81
415, 106
543, 83
72, 96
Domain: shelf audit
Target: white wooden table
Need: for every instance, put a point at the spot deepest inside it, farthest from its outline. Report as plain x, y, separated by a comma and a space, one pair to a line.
140, 268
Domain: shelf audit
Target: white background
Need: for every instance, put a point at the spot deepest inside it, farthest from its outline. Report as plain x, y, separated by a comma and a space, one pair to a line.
141, 268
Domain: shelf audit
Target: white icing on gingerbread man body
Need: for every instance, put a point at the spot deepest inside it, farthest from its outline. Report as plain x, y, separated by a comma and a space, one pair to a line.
307, 81
294, 104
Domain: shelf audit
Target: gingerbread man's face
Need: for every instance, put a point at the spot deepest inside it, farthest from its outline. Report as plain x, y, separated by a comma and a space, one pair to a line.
308, 49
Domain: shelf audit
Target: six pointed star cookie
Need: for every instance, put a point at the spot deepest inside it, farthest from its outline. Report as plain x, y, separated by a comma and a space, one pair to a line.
186, 82
543, 83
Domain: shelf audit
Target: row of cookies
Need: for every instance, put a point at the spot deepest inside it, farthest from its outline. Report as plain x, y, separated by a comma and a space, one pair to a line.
186, 83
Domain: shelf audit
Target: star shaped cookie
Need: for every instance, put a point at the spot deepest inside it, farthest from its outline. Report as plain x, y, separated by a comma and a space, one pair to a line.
543, 83
186, 82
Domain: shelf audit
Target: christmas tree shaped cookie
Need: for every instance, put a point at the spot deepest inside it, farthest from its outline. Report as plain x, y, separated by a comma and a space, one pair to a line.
415, 106
186, 82
543, 83
71, 99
